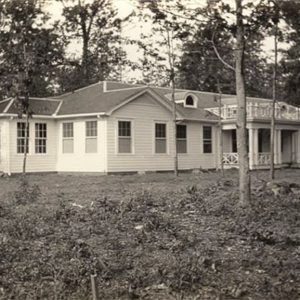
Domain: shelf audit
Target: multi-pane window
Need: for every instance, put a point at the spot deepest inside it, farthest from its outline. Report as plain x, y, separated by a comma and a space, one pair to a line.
21, 129
124, 136
40, 137
234, 140
160, 138
207, 139
181, 139
68, 138
91, 134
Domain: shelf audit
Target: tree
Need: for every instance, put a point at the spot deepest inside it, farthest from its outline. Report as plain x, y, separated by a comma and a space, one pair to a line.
24, 23
96, 26
163, 53
29, 54
289, 65
244, 176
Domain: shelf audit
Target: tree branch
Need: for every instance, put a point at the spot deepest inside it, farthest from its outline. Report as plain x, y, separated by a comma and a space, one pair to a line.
218, 54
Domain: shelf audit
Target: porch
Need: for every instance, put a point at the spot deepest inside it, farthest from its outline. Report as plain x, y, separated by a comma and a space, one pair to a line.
259, 110
285, 148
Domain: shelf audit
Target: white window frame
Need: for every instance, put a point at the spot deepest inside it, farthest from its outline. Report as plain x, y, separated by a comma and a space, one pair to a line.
131, 137
182, 139
91, 137
39, 138
20, 138
67, 138
155, 138
207, 140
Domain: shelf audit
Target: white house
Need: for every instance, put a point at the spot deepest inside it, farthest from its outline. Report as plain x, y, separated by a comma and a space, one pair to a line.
114, 127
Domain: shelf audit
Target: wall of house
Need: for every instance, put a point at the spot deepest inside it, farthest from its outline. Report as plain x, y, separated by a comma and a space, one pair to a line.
79, 160
4, 143
35, 162
143, 113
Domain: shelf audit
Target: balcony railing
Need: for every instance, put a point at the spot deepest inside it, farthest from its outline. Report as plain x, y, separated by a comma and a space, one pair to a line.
260, 111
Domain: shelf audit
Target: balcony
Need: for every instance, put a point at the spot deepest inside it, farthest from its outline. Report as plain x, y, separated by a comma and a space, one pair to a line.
260, 111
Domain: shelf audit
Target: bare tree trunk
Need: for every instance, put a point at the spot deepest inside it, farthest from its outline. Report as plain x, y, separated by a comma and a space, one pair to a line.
244, 175
25, 143
272, 138
175, 129
172, 79
220, 128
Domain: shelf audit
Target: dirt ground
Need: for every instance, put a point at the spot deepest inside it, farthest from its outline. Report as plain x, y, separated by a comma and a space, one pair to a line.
149, 237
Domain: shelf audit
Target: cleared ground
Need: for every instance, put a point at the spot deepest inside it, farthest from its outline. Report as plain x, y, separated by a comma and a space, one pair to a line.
149, 237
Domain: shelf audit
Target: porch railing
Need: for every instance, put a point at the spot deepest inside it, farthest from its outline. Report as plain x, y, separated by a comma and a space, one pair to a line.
264, 158
259, 110
230, 158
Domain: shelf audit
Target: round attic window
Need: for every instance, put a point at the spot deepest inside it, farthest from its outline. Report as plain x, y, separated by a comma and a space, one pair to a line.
189, 101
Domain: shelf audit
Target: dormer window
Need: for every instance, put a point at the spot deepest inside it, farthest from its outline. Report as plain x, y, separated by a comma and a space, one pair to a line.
190, 101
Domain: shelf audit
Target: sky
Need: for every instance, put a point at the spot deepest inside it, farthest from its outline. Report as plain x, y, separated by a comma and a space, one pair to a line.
125, 7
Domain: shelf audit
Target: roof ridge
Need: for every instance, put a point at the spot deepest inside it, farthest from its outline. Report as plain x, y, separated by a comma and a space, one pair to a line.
6, 99
125, 89
44, 99
77, 90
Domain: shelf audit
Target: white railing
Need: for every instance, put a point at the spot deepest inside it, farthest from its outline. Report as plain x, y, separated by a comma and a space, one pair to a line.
259, 110
264, 158
230, 158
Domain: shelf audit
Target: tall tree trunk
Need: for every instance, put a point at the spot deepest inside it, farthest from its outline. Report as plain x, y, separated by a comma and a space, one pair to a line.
172, 79
174, 127
220, 127
244, 175
85, 59
26, 142
272, 138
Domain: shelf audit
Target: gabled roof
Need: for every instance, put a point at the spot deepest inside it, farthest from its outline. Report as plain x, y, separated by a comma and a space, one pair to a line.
37, 106
105, 97
94, 100
4, 104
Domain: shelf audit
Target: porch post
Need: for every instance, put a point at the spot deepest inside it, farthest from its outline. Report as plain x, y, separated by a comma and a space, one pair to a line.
253, 147
278, 157
298, 147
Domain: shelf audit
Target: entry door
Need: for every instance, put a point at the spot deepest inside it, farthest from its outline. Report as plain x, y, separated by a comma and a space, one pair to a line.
286, 146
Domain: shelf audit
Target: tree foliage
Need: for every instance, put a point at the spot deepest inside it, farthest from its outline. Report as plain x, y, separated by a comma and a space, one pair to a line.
96, 26
28, 44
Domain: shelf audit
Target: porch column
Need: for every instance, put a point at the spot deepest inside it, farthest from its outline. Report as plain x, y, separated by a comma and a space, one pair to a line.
277, 147
298, 147
253, 147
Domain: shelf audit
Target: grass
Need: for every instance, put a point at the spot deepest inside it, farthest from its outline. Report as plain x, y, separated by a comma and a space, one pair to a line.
149, 237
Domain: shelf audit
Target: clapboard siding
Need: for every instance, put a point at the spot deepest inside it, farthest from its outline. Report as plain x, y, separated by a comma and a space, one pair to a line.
35, 162
143, 113
4, 146
79, 161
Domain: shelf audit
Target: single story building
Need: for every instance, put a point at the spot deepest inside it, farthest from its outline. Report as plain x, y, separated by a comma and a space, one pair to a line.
116, 127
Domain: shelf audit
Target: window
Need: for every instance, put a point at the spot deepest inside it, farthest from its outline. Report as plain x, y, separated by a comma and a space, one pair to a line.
68, 138
21, 137
40, 137
234, 140
124, 132
207, 139
181, 139
160, 138
91, 134
189, 101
